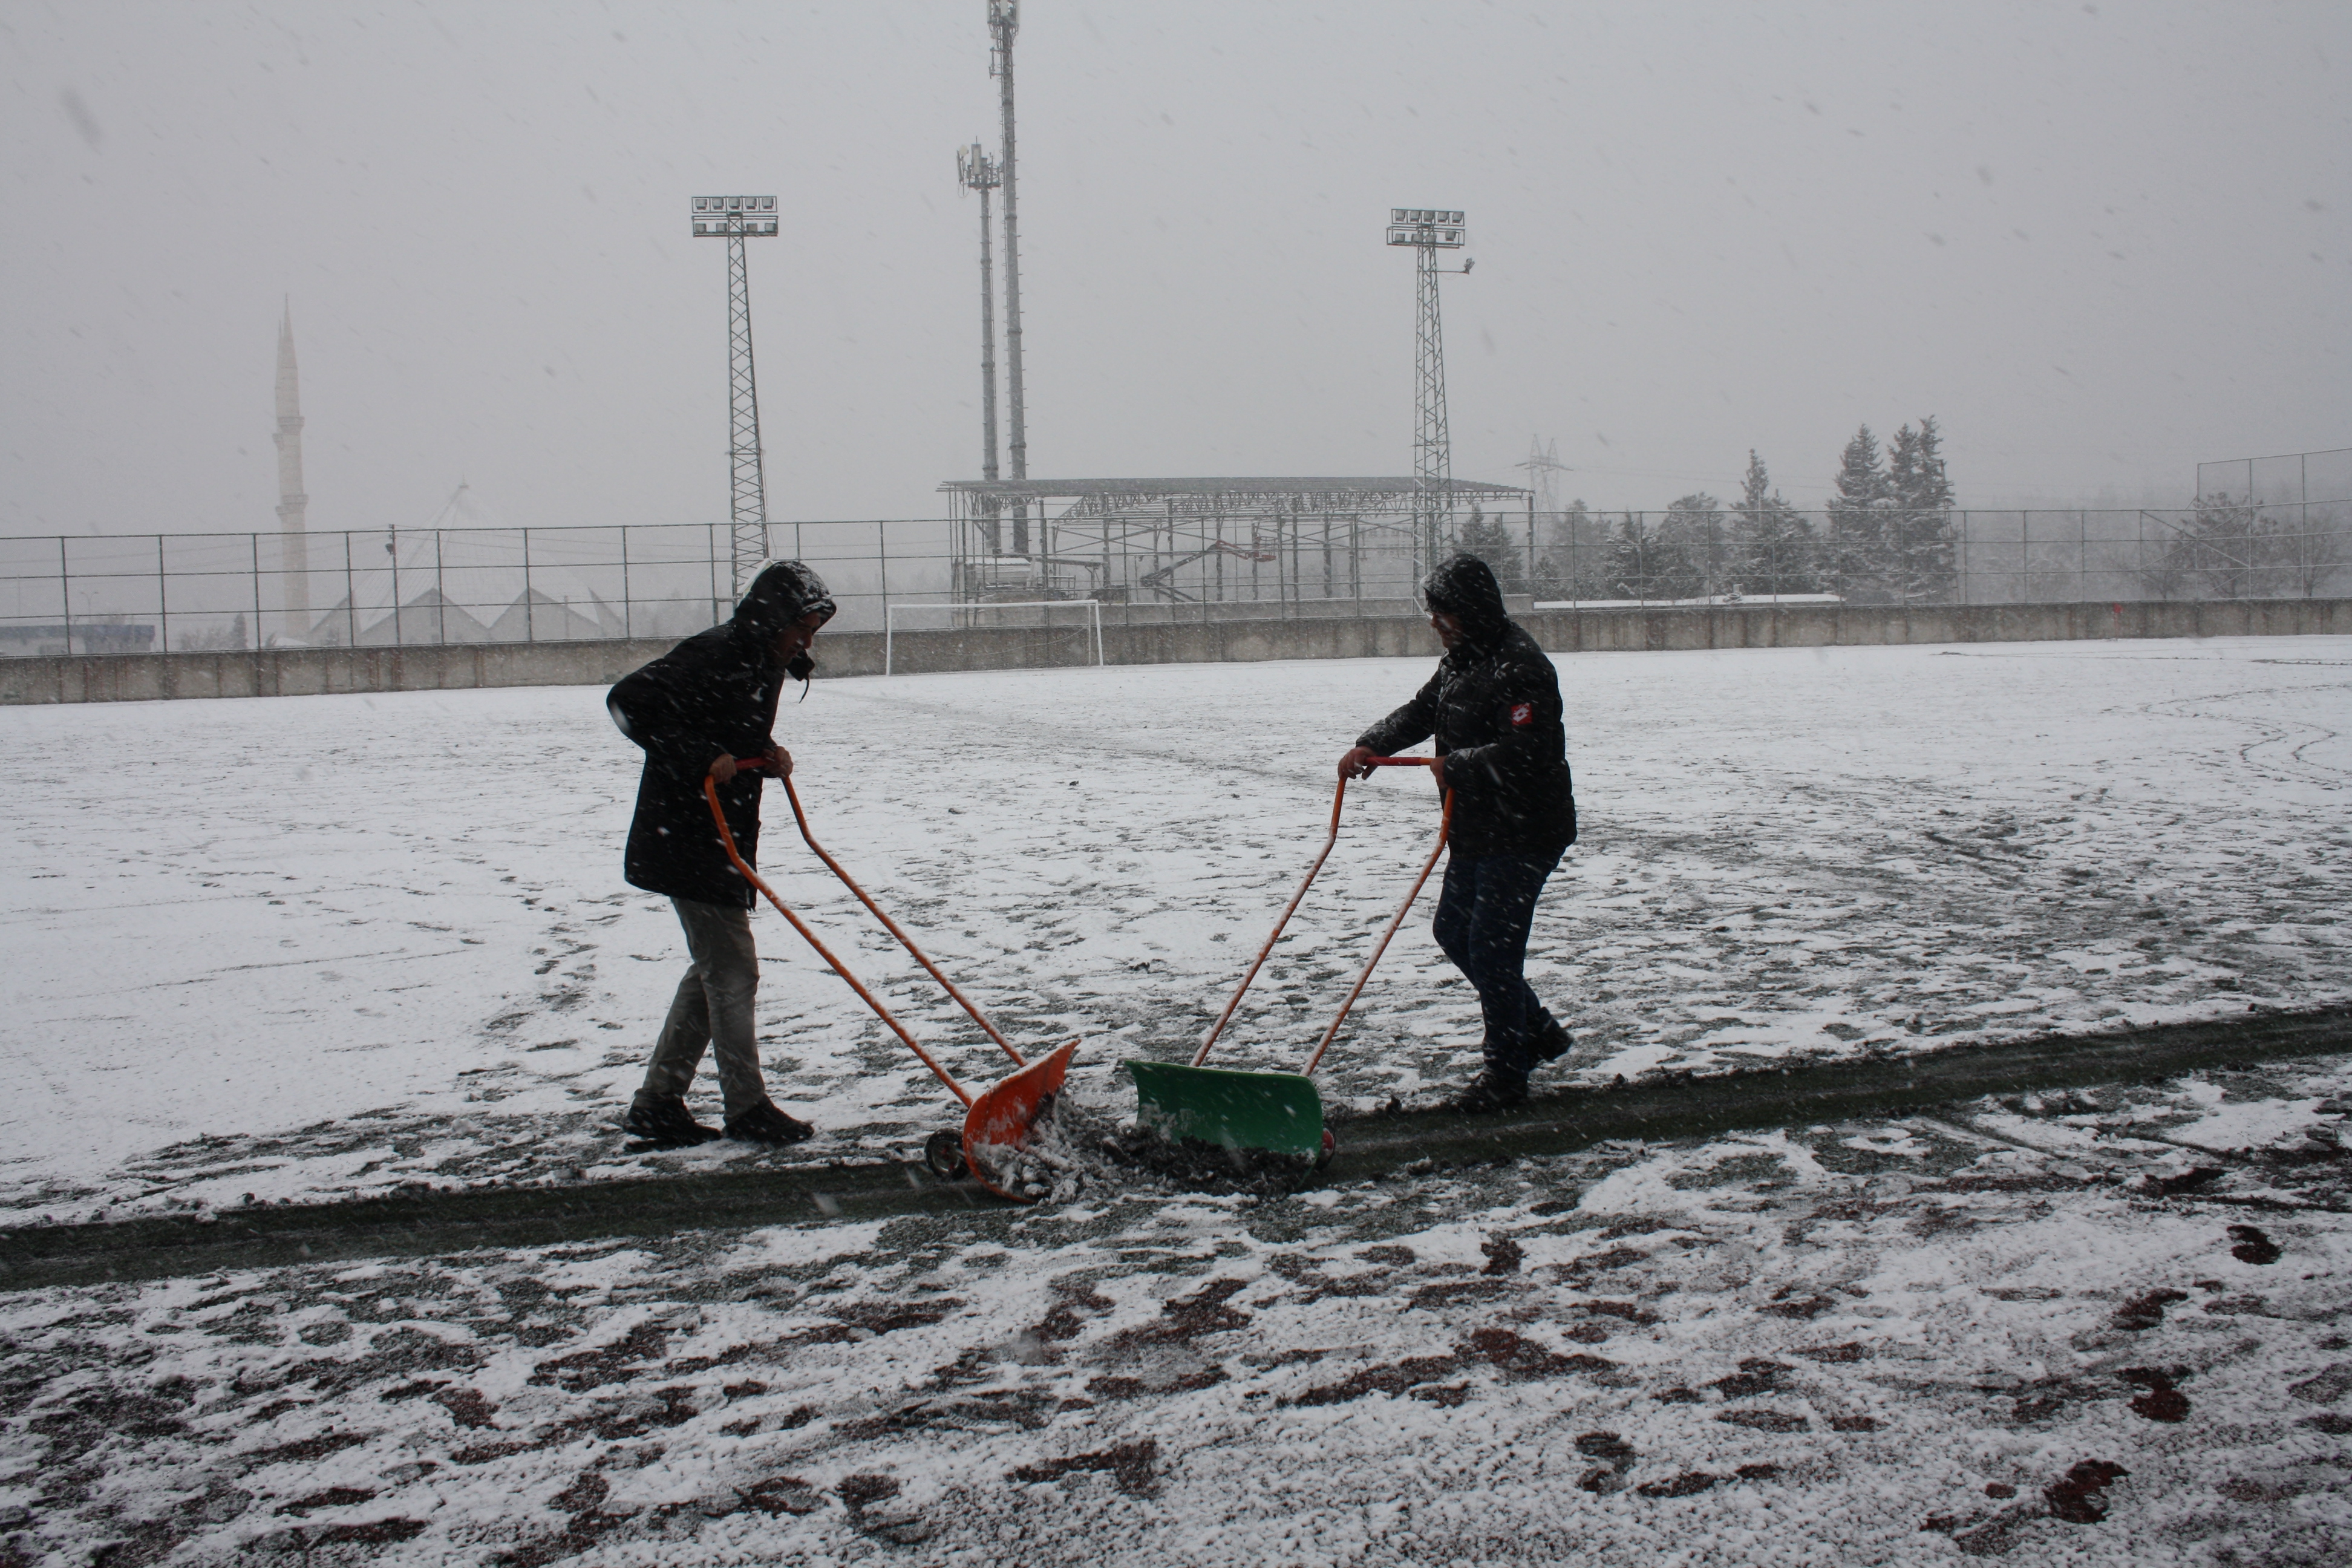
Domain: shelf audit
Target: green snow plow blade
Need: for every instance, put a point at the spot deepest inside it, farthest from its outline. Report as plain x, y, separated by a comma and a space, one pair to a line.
1230, 1111
1277, 1112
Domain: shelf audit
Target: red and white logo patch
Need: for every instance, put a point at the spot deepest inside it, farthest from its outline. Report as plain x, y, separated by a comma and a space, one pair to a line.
1522, 715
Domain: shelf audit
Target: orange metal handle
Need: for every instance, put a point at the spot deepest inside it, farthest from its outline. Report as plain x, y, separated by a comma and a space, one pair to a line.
727, 837
1337, 799
892, 927
1445, 827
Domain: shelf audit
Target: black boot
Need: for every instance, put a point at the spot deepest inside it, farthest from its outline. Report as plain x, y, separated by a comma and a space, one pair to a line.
1552, 1041
763, 1123
1490, 1091
664, 1122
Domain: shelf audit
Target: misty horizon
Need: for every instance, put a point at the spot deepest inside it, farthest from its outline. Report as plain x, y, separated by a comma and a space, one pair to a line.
2099, 248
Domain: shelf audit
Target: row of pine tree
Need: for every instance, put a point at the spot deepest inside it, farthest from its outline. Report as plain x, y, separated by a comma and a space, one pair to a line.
1887, 536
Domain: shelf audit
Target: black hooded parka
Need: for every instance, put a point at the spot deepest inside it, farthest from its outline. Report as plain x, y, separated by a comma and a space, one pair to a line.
715, 692
1493, 708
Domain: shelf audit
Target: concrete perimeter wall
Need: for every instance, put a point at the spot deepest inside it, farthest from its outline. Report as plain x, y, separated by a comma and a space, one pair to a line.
298, 672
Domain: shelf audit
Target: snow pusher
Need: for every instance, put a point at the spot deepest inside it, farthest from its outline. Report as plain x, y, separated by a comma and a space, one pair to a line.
1268, 1113
1000, 1117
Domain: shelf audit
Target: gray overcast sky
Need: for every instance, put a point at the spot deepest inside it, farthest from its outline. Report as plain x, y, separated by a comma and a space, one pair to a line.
2100, 242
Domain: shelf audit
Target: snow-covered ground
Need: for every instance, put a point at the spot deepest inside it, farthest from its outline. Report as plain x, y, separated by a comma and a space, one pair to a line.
314, 946
327, 946
1988, 1333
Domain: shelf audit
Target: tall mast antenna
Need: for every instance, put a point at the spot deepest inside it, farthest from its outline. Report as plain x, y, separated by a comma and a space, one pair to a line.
979, 171
1003, 22
736, 219
1428, 231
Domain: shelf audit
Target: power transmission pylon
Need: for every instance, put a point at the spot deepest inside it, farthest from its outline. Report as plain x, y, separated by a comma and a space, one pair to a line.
979, 171
1542, 463
1428, 231
736, 219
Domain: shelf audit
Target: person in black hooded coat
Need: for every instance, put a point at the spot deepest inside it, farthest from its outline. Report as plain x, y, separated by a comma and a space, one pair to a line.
1494, 709
695, 711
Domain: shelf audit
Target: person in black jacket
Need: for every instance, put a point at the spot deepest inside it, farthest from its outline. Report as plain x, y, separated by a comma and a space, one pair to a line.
1494, 707
695, 711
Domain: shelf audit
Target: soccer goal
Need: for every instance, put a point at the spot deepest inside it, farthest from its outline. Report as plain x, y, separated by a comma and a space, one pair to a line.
1093, 607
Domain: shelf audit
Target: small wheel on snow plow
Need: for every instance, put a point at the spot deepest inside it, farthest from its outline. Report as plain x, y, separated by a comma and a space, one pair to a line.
1330, 1147
943, 1155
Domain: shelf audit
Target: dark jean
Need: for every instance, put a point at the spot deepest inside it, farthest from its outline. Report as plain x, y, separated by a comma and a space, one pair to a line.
712, 1009
1483, 916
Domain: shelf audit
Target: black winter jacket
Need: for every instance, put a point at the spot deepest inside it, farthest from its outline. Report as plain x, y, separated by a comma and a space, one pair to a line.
1494, 707
714, 692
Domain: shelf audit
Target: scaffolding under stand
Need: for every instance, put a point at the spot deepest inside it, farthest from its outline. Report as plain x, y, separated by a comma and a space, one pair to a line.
1205, 541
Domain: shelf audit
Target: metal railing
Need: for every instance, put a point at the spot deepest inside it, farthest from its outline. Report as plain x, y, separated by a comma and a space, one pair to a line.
148, 593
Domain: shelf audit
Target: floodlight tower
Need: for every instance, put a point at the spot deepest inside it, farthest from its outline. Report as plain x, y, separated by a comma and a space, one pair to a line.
1428, 231
1003, 22
979, 171
736, 219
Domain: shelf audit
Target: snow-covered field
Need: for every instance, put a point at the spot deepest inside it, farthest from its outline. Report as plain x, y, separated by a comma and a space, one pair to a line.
312, 946
327, 946
1981, 1334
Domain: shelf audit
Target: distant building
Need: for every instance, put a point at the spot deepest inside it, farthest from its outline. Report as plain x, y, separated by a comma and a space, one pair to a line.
58, 639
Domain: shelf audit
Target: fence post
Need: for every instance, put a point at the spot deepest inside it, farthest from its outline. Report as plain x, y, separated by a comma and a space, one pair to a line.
882, 560
351, 590
65, 593
529, 634
440, 594
255, 540
392, 548
626, 632
162, 604
2082, 556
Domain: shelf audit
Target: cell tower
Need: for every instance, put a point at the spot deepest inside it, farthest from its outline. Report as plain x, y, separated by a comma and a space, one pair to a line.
1428, 231
1003, 22
736, 219
979, 171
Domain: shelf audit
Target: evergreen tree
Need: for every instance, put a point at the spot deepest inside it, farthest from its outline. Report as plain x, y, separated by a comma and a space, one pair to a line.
1918, 547
1570, 557
1489, 538
1694, 523
1858, 509
1773, 548
1645, 563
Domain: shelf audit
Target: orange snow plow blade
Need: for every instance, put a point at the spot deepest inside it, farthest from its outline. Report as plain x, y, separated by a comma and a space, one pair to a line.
1002, 1117
1004, 1113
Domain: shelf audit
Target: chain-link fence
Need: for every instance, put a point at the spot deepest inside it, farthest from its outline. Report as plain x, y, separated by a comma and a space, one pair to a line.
2222, 548
152, 592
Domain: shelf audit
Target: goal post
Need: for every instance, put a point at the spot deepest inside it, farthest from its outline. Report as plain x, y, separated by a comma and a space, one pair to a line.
1092, 607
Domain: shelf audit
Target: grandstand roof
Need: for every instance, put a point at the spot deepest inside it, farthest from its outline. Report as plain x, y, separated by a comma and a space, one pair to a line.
1071, 489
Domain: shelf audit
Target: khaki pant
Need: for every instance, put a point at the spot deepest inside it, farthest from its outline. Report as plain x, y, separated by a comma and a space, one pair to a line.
713, 1008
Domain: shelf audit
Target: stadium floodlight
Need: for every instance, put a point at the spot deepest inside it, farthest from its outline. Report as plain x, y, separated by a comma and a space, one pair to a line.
746, 217
736, 219
1433, 226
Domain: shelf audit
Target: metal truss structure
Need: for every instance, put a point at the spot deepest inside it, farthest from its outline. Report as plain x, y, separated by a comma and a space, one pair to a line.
736, 219
1427, 231
1198, 542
